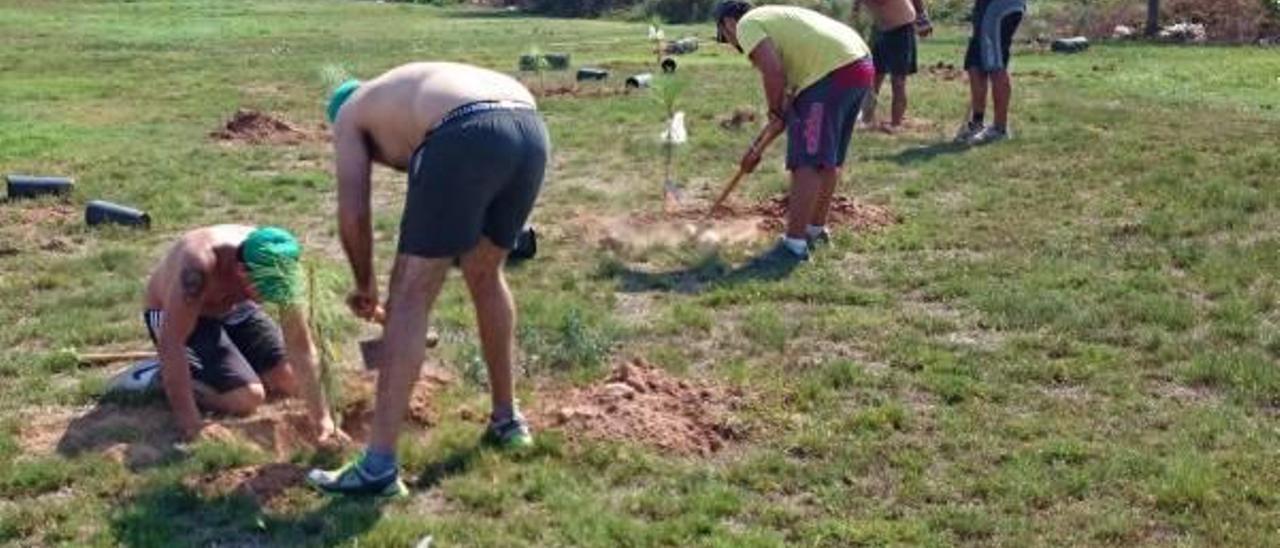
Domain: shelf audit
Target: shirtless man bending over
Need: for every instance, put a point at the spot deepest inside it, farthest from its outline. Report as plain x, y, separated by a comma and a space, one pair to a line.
893, 48
217, 347
475, 151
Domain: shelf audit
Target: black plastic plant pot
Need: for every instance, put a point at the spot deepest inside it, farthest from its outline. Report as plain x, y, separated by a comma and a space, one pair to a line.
1070, 45
526, 245
668, 65
587, 73
100, 212
557, 61
639, 81
28, 186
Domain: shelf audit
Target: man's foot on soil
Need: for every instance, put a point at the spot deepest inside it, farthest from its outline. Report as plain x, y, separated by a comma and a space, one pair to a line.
990, 134
968, 131
817, 236
139, 378
352, 479
512, 433
781, 256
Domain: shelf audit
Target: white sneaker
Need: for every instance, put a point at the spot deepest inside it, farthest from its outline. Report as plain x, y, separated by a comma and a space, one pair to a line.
140, 377
967, 132
988, 135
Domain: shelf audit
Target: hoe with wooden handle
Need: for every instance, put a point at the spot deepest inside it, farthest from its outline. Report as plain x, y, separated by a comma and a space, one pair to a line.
761, 143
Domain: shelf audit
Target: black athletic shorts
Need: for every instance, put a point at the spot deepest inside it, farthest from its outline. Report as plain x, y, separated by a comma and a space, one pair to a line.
478, 173
894, 51
994, 24
229, 352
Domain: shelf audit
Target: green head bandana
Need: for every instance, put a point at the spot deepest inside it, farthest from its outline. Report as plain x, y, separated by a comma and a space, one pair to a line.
340, 96
270, 254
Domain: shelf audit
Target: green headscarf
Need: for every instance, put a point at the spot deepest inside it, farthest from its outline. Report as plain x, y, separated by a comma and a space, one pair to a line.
270, 254
340, 96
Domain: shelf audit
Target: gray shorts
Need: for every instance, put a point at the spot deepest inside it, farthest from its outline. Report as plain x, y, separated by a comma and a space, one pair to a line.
478, 173
994, 24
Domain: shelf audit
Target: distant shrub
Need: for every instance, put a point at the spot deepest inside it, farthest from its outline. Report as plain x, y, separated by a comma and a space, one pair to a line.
1224, 20
679, 11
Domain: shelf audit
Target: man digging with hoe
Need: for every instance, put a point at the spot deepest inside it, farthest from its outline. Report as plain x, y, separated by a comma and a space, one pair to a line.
475, 151
815, 72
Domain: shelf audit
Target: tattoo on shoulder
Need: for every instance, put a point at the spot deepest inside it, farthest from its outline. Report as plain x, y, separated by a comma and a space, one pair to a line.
192, 282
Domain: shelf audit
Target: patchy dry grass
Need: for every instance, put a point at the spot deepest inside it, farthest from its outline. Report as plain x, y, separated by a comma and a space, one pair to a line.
1069, 339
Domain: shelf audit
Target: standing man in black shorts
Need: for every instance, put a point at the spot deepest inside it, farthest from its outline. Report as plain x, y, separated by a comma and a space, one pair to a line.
475, 150
987, 60
893, 49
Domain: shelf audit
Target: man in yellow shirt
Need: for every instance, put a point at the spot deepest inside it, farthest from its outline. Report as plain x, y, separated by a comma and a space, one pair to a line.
815, 72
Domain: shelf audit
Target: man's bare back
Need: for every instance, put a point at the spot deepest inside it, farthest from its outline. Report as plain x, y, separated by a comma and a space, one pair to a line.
187, 264
396, 110
891, 14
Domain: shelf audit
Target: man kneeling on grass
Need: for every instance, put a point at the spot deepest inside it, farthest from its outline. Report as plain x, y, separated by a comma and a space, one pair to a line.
816, 72
217, 347
475, 151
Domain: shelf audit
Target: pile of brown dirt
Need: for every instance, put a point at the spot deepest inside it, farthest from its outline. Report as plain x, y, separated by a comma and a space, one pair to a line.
251, 126
739, 117
640, 403
945, 71
141, 436
1036, 74
358, 415
845, 211
261, 483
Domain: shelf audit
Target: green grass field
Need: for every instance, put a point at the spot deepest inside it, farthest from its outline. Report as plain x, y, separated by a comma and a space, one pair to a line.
1072, 338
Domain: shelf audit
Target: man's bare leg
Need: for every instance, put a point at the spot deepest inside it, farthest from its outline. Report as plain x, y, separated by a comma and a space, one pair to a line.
238, 402
977, 91
1001, 93
869, 104
899, 83
829, 179
281, 380
495, 316
415, 284
806, 186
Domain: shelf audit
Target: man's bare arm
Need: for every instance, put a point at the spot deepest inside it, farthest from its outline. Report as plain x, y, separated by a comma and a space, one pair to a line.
921, 13
766, 59
302, 355
355, 223
181, 307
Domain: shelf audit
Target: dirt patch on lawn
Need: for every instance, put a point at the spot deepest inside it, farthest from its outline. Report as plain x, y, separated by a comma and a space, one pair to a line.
945, 71
358, 414
729, 225
140, 436
740, 116
262, 483
251, 126
643, 404
27, 225
845, 212
579, 92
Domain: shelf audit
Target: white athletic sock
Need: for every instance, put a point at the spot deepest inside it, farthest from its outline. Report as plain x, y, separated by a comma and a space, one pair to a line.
799, 246
814, 230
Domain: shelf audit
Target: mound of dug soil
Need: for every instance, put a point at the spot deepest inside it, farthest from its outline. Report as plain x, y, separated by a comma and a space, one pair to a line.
140, 436
358, 415
845, 211
251, 126
640, 403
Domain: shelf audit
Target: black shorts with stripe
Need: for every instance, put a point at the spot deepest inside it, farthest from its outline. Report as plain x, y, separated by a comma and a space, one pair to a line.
229, 352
